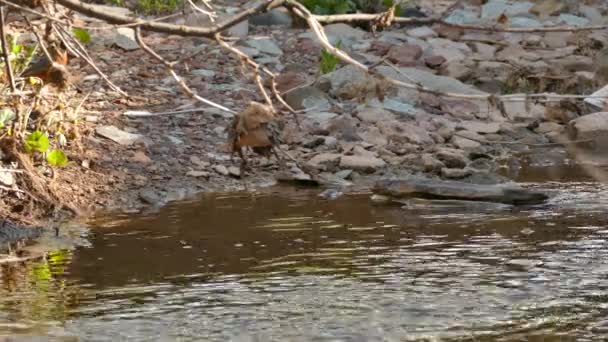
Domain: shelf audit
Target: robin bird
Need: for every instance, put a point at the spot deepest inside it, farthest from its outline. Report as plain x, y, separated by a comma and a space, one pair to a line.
255, 127
54, 71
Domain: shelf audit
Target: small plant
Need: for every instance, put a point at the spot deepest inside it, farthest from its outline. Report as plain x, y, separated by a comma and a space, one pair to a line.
38, 141
329, 61
158, 6
325, 7
82, 35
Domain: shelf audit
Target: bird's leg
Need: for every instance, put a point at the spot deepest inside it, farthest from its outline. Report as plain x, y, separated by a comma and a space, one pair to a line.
279, 159
243, 160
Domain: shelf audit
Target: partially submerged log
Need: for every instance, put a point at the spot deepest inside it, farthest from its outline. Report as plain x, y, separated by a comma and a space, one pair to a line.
416, 187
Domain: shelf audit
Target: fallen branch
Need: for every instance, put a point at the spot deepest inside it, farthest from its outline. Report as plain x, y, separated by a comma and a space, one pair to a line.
7, 62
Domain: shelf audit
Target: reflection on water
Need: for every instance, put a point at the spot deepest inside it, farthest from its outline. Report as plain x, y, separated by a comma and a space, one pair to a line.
295, 267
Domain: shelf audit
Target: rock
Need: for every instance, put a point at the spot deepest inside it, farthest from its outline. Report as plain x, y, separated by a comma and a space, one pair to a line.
546, 8
429, 80
307, 98
297, 177
221, 169
331, 194
240, 30
479, 127
461, 109
450, 50
547, 127
202, 72
452, 158
117, 135
462, 17
345, 31
350, 82
555, 40
141, 157
6, 178
197, 174
519, 111
124, 38
573, 20
265, 45
458, 70
422, 32
290, 80
434, 62
234, 171
373, 136
10, 233
465, 144
404, 55
150, 196
344, 174
325, 161
430, 163
373, 115
435, 189
344, 127
397, 131
455, 173
395, 105
495, 8
593, 14
591, 126
365, 164
485, 51
525, 22
276, 17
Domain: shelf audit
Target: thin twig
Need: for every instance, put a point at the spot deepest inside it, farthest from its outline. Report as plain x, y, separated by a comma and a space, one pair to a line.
210, 15
562, 143
7, 62
12, 170
178, 79
82, 53
39, 39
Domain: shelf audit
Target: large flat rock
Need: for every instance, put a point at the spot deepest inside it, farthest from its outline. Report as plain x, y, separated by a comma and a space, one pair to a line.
418, 187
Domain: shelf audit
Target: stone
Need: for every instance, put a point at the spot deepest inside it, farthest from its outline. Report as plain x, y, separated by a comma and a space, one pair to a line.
197, 174
452, 158
450, 50
234, 171
398, 131
141, 157
373, 136
547, 127
555, 40
523, 22
240, 30
420, 187
203, 72
430, 163
117, 135
422, 32
150, 196
591, 126
434, 62
264, 45
290, 80
517, 111
350, 82
404, 55
455, 173
124, 38
367, 164
373, 115
485, 51
462, 17
458, 70
573, 20
345, 31
7, 178
275, 17
465, 144
546, 8
221, 169
307, 98
325, 161
593, 14
495, 8
429, 80
479, 127
344, 127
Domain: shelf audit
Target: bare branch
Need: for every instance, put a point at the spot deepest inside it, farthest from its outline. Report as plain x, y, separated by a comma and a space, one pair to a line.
7, 62
178, 79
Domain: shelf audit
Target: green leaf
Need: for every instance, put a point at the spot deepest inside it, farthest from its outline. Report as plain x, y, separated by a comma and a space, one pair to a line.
57, 158
82, 35
37, 141
6, 116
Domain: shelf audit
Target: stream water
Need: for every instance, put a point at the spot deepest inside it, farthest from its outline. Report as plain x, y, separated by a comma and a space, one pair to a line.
287, 265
